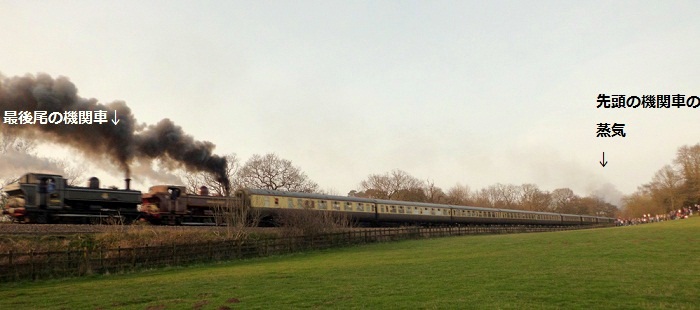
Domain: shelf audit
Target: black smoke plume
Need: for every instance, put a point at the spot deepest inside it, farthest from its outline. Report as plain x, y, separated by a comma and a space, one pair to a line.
123, 142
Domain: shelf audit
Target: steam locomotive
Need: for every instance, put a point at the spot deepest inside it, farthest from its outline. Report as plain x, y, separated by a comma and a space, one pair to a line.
46, 198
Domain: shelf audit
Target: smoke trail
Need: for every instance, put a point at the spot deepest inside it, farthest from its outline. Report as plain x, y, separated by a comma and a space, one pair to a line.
122, 142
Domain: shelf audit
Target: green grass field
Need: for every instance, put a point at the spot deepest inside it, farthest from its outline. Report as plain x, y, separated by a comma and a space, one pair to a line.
642, 267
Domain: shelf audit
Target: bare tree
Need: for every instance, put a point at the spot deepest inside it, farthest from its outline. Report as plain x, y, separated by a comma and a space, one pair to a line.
533, 199
397, 185
671, 187
491, 197
638, 204
564, 200
433, 193
272, 172
459, 195
688, 161
194, 181
484, 198
236, 218
507, 196
667, 189
71, 173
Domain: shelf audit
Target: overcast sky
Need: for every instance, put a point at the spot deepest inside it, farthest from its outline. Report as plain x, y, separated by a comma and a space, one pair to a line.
456, 92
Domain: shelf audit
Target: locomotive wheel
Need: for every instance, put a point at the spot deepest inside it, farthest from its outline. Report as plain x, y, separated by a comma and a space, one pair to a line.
41, 218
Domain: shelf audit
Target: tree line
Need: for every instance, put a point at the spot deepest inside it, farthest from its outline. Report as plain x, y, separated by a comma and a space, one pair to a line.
399, 185
272, 172
673, 187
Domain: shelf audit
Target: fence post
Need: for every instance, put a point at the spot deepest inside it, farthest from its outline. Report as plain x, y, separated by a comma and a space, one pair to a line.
14, 269
31, 261
84, 261
267, 249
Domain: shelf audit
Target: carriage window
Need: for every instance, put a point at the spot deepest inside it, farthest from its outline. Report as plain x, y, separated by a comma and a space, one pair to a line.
360, 207
277, 201
348, 206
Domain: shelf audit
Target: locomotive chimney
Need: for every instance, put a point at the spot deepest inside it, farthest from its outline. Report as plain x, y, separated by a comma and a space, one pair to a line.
94, 183
203, 191
128, 182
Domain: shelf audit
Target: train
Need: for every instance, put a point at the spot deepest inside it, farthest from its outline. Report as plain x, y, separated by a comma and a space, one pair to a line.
47, 198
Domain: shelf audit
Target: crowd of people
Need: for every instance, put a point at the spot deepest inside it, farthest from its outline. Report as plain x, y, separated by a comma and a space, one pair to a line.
682, 213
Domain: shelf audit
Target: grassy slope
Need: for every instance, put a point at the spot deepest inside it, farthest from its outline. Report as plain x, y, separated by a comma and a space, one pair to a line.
649, 266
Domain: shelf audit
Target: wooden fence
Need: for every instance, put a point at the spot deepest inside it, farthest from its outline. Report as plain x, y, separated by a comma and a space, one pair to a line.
72, 263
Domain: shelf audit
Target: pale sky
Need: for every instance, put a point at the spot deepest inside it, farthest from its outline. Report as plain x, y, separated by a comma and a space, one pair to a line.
456, 92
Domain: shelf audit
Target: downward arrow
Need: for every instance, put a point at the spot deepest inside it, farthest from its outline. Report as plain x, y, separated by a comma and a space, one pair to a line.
115, 120
603, 163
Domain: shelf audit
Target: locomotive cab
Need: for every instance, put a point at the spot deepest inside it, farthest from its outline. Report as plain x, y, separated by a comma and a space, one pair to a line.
173, 205
164, 199
34, 193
